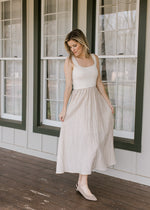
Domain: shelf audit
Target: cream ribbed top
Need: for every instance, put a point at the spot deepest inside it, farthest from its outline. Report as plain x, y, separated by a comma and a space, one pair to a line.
84, 77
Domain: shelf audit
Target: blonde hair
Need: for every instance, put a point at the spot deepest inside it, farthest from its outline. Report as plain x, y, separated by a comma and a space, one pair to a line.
78, 36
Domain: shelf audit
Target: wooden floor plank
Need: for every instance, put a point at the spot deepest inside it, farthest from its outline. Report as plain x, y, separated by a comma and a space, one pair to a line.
27, 182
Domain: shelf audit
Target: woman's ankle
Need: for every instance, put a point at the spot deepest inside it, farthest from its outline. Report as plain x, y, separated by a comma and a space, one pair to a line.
81, 184
82, 180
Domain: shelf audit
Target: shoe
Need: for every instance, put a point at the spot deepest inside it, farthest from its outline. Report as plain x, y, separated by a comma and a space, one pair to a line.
88, 197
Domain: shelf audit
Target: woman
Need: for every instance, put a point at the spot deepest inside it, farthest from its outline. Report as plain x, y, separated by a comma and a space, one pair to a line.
86, 136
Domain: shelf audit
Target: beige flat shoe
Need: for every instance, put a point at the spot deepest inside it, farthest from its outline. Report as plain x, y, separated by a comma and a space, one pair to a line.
88, 197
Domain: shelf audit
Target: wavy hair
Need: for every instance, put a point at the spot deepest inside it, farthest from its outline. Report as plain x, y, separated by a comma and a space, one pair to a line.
78, 36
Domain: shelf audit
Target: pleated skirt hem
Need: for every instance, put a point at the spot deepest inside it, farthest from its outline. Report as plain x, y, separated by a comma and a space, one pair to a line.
86, 136
87, 172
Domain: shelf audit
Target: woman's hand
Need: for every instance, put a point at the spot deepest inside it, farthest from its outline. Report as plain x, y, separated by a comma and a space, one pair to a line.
112, 109
62, 115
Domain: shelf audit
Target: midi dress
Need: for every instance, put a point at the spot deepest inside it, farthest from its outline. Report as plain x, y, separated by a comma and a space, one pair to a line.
85, 143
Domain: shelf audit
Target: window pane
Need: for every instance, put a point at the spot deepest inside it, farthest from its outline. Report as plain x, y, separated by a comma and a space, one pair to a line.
105, 14
8, 105
54, 83
9, 87
48, 112
126, 16
64, 23
107, 2
64, 5
52, 88
12, 106
11, 34
50, 25
11, 65
61, 51
51, 107
111, 89
16, 8
50, 46
117, 50
125, 110
51, 69
56, 23
60, 106
5, 6
49, 6
126, 42
8, 69
6, 44
6, 29
108, 69
13, 69
16, 29
16, 49
107, 43
61, 69
18, 106
127, 70
18, 88
61, 90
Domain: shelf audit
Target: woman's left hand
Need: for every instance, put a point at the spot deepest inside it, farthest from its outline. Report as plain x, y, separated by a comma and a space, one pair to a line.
112, 109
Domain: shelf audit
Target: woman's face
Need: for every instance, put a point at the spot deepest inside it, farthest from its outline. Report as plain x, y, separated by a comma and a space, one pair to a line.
75, 47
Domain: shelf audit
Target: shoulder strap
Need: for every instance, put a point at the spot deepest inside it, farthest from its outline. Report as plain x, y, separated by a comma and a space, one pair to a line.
94, 58
74, 61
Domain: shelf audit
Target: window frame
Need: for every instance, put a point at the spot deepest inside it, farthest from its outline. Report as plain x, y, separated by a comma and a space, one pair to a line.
13, 123
37, 126
124, 143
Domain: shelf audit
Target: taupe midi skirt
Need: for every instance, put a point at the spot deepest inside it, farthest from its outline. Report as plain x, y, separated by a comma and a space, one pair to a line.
86, 136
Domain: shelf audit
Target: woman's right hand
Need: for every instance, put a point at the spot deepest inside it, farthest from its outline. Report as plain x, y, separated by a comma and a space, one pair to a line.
62, 115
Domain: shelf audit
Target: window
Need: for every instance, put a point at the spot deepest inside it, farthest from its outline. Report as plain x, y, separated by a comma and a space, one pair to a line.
118, 46
57, 18
12, 63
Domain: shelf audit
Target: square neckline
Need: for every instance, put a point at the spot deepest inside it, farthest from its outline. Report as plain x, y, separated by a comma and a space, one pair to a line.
86, 66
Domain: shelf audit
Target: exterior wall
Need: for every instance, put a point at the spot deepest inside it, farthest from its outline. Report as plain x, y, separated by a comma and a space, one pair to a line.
130, 165
26, 141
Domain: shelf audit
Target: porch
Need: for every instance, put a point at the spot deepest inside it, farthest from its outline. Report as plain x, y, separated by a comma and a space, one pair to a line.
28, 182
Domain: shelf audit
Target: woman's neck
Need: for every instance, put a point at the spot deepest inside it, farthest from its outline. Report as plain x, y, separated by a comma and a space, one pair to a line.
81, 56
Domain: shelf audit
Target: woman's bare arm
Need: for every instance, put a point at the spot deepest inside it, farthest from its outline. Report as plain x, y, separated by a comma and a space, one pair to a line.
68, 78
68, 87
100, 85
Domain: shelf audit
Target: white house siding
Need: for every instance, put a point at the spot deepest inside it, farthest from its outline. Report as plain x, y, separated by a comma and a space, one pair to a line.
130, 165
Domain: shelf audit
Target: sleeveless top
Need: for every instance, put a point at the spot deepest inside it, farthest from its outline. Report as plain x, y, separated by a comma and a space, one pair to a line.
84, 77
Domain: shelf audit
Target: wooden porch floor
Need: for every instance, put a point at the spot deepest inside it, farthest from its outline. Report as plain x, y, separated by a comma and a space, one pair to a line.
28, 182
